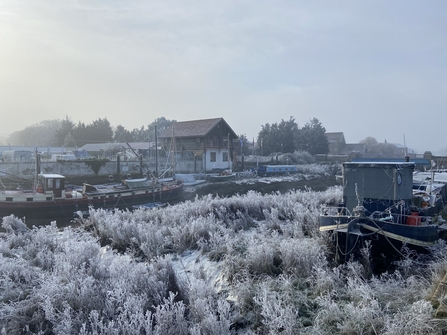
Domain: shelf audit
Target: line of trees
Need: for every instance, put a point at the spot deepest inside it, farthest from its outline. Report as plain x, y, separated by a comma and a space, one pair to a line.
285, 136
65, 133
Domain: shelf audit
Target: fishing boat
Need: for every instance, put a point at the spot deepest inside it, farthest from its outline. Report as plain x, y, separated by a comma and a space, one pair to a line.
50, 198
380, 209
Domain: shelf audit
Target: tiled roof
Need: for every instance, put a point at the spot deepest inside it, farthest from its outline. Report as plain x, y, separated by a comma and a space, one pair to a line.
195, 128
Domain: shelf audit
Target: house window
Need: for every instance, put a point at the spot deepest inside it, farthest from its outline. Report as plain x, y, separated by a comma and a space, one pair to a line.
225, 157
212, 156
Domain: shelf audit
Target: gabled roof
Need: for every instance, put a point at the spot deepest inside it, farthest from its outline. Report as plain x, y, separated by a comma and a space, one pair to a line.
336, 137
195, 128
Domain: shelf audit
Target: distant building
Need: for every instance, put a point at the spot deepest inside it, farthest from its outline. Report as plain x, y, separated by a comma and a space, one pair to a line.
16, 155
45, 152
210, 140
338, 145
336, 142
403, 150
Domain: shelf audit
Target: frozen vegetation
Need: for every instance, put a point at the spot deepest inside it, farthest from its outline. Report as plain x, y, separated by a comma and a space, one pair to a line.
247, 264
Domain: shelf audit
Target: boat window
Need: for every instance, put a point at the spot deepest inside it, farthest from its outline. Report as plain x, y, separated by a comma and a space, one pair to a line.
8, 198
50, 183
29, 199
58, 183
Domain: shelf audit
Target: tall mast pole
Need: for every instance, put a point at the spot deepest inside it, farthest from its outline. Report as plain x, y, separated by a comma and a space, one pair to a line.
156, 153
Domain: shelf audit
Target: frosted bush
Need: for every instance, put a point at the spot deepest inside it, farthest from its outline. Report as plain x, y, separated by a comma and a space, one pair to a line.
416, 318
170, 317
278, 315
14, 225
210, 314
300, 258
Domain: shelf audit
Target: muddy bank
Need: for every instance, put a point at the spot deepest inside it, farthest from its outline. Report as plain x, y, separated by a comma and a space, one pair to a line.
263, 186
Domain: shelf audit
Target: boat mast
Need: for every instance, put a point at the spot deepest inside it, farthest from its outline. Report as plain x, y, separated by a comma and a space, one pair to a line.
36, 174
229, 156
156, 153
407, 159
173, 151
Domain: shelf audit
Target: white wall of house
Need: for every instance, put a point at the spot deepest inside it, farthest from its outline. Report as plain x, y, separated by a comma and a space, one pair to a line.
217, 159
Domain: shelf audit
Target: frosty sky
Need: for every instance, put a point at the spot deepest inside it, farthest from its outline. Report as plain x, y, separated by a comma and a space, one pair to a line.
366, 68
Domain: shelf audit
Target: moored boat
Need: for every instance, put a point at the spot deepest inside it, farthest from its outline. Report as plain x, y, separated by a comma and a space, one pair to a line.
379, 206
276, 170
51, 199
223, 176
189, 180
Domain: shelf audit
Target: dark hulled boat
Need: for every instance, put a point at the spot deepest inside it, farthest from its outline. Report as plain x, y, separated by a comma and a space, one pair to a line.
379, 206
51, 199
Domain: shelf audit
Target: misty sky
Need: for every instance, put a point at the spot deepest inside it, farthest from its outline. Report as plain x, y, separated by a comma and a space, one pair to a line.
366, 68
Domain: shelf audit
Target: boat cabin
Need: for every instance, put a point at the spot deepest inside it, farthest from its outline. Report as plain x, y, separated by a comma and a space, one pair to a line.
377, 185
54, 183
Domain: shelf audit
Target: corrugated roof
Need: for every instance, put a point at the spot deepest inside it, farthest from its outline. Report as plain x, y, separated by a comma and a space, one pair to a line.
193, 128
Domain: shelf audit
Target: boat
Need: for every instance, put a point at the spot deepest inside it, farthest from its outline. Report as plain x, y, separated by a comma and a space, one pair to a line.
429, 181
51, 199
276, 170
380, 209
189, 180
226, 175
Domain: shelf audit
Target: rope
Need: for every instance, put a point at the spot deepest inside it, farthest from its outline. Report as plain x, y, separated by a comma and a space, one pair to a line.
388, 240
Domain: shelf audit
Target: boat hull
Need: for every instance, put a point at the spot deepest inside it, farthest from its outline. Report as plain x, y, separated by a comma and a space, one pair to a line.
65, 207
383, 237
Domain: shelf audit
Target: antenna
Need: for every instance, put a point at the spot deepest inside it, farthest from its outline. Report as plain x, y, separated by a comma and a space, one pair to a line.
407, 159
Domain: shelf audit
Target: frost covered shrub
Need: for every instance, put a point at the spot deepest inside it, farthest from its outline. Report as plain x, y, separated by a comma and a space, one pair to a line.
300, 259
415, 318
210, 314
177, 228
279, 315
78, 278
386, 304
349, 308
